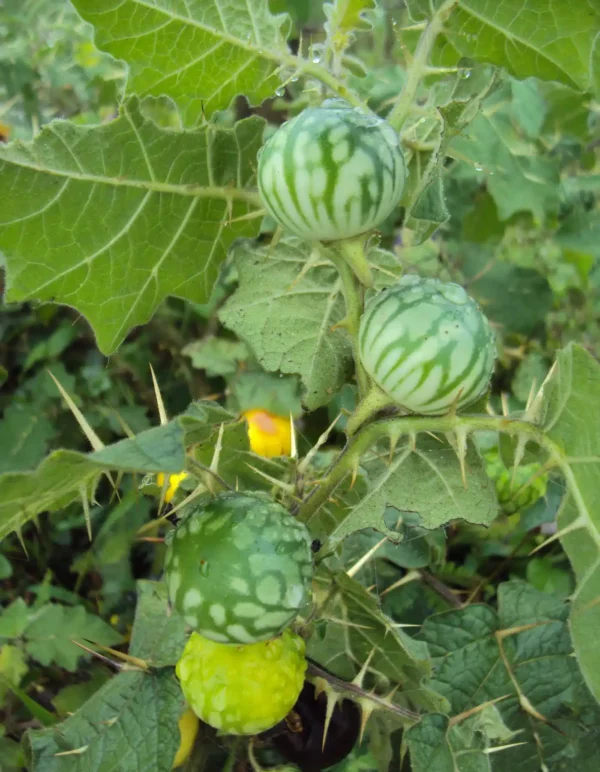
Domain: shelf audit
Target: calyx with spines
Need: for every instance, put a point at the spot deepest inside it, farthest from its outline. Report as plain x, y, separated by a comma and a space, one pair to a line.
331, 172
427, 345
239, 568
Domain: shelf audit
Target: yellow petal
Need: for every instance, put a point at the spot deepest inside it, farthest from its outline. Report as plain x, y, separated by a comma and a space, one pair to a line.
270, 435
173, 483
188, 729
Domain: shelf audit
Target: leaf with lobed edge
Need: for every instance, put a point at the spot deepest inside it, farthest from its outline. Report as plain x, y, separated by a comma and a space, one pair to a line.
571, 420
168, 203
397, 481
520, 658
200, 53
286, 307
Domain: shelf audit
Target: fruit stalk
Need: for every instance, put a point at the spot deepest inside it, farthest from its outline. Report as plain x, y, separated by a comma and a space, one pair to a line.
354, 299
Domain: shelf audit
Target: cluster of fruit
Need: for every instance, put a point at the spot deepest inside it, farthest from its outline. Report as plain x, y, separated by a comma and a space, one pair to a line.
335, 172
239, 567
239, 571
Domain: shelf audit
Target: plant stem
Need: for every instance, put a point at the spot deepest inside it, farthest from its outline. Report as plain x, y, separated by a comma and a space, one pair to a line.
322, 74
419, 65
373, 401
398, 426
354, 298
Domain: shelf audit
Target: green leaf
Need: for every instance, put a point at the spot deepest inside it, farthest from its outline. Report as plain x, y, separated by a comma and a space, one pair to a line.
266, 391
56, 482
130, 724
64, 474
429, 211
51, 630
71, 698
345, 16
166, 202
217, 356
520, 656
51, 347
417, 549
571, 419
546, 39
396, 481
580, 231
201, 54
353, 628
25, 436
12, 669
14, 619
515, 298
158, 634
433, 748
160, 449
285, 311
519, 179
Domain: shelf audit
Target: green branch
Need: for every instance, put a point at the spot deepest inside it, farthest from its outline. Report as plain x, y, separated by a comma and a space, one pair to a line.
419, 66
398, 426
319, 72
354, 299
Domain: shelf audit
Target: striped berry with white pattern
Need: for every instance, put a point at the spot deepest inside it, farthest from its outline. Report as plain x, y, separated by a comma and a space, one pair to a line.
427, 345
331, 172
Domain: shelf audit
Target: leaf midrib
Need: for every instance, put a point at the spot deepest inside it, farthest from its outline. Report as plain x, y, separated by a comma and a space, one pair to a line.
199, 191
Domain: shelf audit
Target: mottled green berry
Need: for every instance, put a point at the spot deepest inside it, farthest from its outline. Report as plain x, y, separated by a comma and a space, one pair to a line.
242, 690
239, 568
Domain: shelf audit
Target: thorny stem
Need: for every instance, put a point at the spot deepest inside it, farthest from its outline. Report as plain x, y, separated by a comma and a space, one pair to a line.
419, 65
371, 403
398, 426
345, 686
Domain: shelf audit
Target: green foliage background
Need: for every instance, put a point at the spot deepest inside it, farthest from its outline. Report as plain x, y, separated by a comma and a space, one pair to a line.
115, 236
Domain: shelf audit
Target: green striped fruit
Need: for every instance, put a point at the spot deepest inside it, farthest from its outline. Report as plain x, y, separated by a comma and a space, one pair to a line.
331, 173
427, 345
242, 689
239, 568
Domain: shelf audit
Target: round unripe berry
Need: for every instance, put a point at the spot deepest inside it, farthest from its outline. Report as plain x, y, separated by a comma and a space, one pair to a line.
331, 172
239, 568
427, 345
242, 689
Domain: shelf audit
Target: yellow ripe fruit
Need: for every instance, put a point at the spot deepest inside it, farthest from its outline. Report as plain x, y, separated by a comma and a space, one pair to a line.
243, 689
174, 482
188, 729
270, 435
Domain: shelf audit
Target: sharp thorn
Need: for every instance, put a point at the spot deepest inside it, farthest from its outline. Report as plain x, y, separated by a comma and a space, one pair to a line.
162, 413
360, 676
91, 435
365, 558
